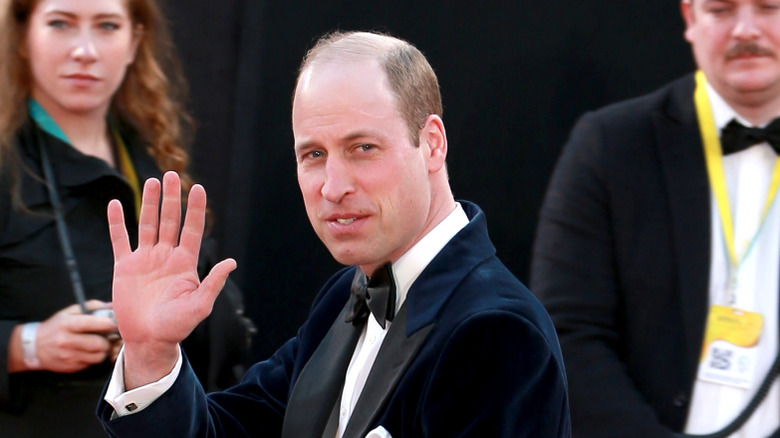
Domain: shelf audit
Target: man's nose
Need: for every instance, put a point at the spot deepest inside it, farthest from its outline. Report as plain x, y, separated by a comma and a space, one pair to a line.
746, 27
338, 181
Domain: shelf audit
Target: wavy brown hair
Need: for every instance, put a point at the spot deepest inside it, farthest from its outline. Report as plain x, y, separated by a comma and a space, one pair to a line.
150, 99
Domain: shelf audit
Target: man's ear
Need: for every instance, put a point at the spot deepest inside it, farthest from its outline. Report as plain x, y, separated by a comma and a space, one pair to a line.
687, 13
433, 137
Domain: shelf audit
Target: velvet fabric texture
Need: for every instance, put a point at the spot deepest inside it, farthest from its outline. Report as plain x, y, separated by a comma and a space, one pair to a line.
489, 365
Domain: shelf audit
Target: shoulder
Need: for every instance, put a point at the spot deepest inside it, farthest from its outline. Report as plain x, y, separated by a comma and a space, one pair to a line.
503, 334
674, 99
493, 303
623, 137
508, 350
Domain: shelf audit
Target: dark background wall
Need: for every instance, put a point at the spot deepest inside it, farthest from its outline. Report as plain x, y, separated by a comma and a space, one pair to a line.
514, 76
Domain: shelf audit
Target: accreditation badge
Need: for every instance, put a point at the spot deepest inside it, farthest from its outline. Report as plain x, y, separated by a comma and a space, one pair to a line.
730, 350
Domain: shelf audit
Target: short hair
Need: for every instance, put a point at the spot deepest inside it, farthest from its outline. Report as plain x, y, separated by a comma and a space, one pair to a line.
409, 74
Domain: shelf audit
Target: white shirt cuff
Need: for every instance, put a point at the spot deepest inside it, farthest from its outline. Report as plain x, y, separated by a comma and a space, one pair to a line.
136, 400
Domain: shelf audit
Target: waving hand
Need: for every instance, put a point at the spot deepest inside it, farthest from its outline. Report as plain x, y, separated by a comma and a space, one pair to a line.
157, 295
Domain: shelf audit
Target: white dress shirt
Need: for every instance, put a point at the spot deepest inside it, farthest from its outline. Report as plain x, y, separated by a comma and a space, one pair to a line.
748, 176
405, 270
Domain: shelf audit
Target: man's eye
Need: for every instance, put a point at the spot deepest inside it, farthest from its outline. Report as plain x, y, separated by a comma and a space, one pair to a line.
366, 147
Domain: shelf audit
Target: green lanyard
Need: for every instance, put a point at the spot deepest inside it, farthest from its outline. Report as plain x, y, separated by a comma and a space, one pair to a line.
46, 123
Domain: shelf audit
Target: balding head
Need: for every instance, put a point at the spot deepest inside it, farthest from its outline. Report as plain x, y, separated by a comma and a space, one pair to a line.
409, 74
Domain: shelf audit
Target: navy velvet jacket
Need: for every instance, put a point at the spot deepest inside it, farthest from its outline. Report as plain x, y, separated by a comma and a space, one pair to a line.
471, 353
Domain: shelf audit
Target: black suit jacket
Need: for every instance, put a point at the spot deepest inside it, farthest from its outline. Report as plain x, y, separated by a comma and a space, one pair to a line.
471, 354
621, 261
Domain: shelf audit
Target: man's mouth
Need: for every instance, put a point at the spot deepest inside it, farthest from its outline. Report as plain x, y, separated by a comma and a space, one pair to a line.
345, 221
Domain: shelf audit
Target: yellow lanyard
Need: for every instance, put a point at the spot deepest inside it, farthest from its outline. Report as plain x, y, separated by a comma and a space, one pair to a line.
714, 157
127, 169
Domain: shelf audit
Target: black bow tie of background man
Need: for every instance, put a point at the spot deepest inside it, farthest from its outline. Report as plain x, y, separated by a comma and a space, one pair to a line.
736, 137
376, 295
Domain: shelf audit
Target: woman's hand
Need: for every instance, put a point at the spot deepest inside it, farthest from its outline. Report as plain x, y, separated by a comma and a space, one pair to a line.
70, 340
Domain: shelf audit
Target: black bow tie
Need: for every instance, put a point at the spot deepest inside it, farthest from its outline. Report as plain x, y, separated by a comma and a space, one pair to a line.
736, 137
376, 294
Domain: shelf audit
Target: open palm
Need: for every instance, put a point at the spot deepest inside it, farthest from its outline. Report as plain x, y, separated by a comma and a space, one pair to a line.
158, 297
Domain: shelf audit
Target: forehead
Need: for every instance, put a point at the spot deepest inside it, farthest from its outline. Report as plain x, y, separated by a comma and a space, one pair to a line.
343, 92
702, 3
83, 7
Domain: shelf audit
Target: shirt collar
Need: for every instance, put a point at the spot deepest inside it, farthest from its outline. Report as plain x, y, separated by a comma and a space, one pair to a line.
407, 268
45, 121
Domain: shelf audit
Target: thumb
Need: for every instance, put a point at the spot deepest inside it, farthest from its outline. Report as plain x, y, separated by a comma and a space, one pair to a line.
215, 280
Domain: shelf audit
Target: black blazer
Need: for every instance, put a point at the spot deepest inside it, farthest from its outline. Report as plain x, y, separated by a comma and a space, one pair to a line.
471, 354
621, 262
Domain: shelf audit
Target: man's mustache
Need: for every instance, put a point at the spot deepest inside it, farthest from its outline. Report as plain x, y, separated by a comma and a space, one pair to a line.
749, 48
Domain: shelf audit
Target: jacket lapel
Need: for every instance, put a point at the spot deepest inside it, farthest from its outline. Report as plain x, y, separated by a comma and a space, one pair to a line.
320, 383
395, 355
416, 318
685, 173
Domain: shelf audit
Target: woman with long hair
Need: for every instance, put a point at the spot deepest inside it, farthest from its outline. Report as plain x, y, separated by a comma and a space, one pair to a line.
92, 106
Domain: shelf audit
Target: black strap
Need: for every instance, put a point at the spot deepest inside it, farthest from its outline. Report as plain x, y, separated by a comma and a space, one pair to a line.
62, 229
758, 397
